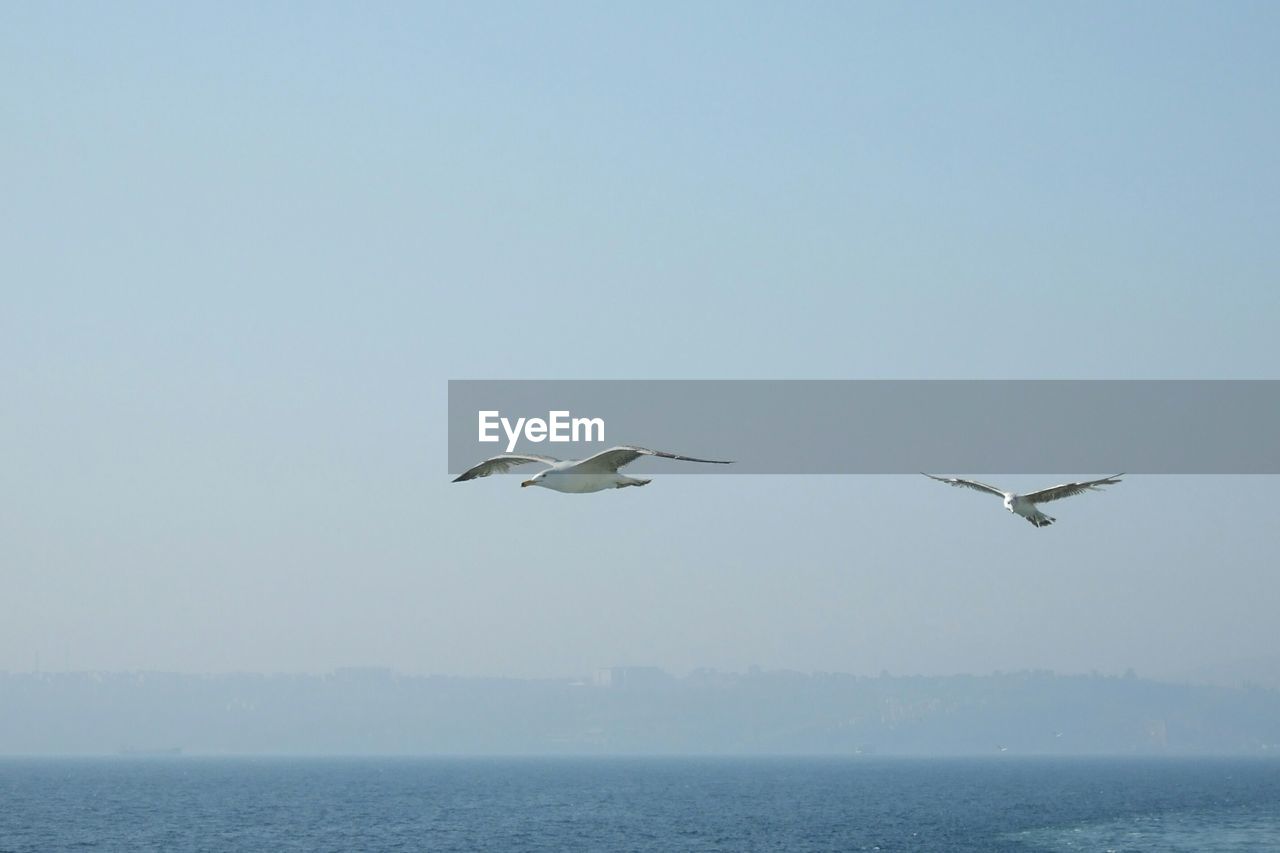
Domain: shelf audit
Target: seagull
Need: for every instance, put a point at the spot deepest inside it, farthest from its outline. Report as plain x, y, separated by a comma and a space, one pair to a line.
1025, 505
577, 476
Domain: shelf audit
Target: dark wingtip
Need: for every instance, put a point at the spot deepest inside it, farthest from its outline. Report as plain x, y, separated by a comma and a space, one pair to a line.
460, 478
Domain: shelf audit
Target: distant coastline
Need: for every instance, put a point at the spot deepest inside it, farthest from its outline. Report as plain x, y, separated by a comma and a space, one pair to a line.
150, 752
631, 711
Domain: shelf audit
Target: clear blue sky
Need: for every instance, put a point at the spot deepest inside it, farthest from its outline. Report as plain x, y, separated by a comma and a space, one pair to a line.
245, 246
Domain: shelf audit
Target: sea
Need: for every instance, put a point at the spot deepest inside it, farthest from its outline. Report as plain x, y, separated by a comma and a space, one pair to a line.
1003, 803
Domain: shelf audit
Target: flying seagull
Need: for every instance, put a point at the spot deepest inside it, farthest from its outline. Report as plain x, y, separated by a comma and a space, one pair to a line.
1025, 505
577, 476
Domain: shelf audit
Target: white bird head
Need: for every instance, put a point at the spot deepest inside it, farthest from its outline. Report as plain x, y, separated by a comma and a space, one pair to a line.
535, 480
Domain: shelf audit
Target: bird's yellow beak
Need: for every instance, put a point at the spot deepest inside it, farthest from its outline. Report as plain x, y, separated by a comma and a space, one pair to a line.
526, 483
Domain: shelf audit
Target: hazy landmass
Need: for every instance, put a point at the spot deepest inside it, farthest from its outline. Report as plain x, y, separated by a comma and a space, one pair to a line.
1245, 672
630, 710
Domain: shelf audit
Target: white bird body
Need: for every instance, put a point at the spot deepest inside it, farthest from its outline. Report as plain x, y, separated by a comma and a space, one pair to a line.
577, 476
1019, 505
563, 477
1025, 505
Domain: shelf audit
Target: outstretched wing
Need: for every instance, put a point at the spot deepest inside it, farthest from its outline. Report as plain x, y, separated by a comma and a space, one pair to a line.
1066, 490
501, 465
968, 484
615, 457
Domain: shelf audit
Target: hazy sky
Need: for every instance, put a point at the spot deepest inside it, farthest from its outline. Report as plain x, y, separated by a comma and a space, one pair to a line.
245, 246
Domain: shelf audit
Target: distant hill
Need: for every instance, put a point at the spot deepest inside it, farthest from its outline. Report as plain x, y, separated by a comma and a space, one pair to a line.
631, 710
1245, 672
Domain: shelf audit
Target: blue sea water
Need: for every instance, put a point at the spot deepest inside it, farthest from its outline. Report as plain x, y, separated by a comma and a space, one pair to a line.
639, 804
